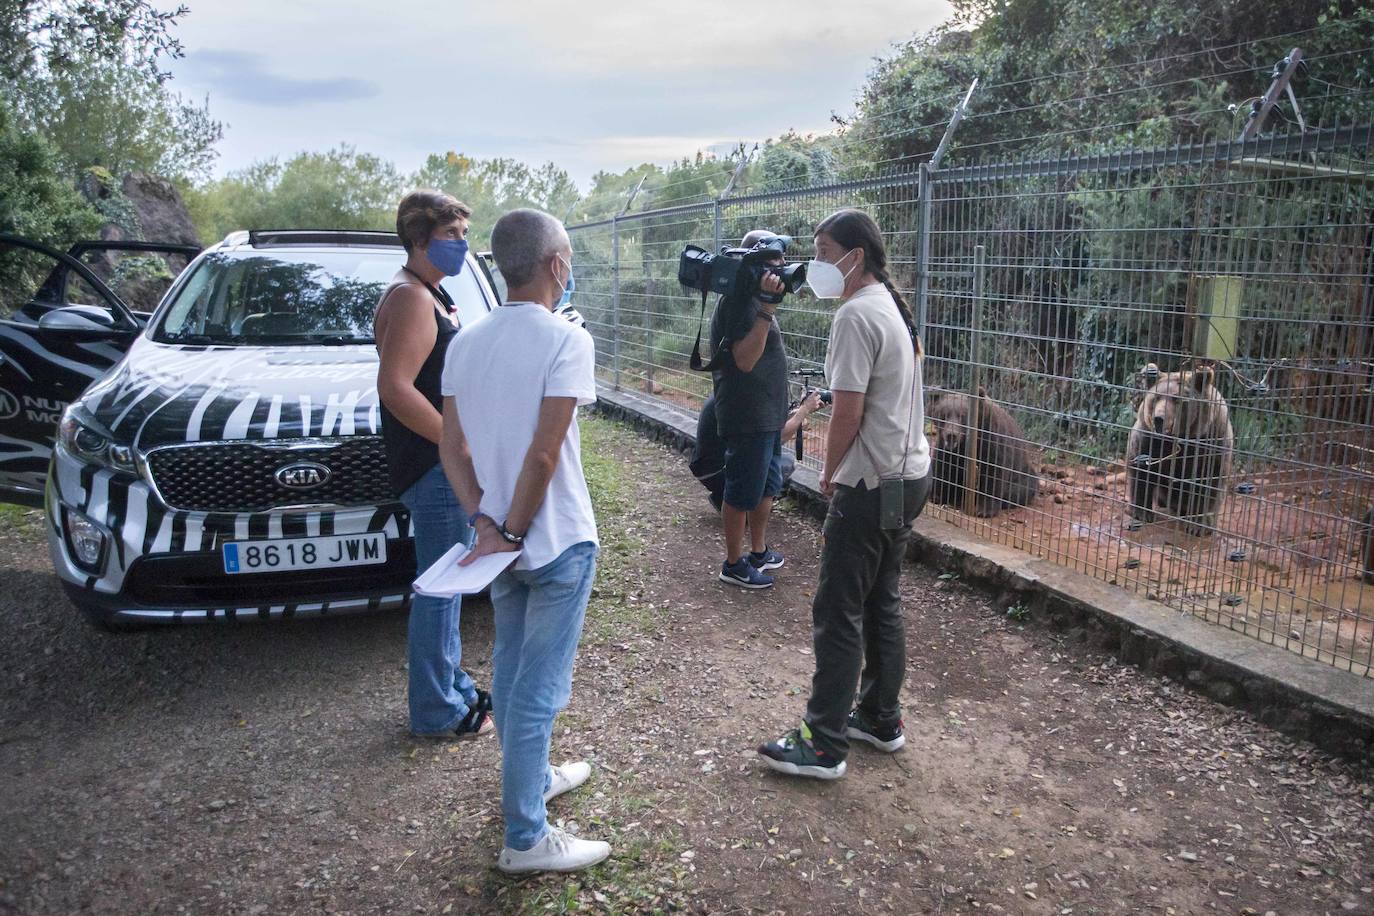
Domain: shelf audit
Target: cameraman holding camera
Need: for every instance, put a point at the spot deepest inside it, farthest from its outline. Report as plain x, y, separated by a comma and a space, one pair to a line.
750, 383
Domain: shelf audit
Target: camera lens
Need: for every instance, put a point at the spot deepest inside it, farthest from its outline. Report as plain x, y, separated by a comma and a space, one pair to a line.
792, 276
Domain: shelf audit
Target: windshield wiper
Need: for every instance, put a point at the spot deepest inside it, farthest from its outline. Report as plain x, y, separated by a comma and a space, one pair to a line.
336, 340
205, 340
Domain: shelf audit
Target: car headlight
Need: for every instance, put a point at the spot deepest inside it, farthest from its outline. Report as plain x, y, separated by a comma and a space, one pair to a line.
89, 442
85, 540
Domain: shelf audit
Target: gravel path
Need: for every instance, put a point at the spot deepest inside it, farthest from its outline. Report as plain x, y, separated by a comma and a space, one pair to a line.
267, 769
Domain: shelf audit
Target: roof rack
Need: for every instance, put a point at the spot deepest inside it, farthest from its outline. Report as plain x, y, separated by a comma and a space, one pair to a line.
272, 238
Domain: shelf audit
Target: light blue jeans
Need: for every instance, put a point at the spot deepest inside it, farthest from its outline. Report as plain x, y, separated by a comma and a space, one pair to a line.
538, 614
440, 691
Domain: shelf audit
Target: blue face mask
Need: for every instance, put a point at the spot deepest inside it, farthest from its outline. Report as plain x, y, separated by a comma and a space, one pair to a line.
568, 290
448, 255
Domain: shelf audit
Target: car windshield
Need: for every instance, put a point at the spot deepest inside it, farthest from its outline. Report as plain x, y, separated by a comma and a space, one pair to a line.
284, 296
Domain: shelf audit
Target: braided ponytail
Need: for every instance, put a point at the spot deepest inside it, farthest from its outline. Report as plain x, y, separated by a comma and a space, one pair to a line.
907, 316
852, 228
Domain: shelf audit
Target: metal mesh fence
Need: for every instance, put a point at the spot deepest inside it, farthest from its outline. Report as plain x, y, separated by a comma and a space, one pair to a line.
1154, 366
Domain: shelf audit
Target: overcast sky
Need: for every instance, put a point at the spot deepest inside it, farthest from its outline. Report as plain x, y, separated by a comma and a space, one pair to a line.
589, 85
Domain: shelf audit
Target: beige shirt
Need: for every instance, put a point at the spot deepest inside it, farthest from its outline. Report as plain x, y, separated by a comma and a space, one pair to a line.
870, 352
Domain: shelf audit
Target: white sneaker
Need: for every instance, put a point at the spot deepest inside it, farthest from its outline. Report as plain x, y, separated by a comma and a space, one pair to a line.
558, 851
566, 778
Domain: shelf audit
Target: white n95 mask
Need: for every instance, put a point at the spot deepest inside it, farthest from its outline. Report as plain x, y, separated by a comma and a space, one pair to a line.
825, 279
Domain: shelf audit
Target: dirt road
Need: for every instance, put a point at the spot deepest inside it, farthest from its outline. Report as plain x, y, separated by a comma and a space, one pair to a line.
267, 769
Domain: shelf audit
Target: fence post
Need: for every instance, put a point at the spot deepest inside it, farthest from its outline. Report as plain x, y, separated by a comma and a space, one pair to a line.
1259, 111
922, 246
615, 302
975, 400
959, 111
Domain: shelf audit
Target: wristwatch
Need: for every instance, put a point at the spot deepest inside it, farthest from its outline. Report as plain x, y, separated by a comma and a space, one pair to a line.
516, 539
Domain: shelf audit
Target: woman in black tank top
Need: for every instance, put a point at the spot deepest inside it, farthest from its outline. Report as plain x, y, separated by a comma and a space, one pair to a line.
413, 325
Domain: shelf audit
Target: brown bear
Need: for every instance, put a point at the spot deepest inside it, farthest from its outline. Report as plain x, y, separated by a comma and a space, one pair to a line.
1179, 453
1005, 478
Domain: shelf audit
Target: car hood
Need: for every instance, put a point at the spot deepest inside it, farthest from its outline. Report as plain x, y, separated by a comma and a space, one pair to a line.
163, 393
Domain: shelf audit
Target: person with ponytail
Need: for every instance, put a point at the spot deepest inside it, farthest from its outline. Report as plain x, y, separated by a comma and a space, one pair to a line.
875, 477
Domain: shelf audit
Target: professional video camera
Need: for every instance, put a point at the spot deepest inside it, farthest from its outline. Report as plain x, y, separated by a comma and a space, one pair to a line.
806, 375
735, 273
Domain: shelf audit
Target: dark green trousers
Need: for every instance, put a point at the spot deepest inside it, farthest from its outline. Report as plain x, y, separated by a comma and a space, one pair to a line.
857, 629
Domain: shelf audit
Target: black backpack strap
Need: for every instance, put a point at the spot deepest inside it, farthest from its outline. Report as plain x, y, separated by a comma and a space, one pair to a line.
717, 357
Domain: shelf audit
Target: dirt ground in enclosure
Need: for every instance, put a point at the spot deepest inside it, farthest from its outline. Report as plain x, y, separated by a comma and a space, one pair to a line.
267, 769
1284, 566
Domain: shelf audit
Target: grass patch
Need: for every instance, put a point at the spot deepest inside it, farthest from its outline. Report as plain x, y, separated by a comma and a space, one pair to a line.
614, 607
645, 873
21, 520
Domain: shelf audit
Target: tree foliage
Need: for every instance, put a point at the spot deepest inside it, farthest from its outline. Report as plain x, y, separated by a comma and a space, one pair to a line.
1093, 74
338, 189
89, 75
34, 200
494, 186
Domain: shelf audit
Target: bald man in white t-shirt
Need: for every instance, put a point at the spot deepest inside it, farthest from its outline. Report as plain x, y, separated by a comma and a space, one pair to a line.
512, 384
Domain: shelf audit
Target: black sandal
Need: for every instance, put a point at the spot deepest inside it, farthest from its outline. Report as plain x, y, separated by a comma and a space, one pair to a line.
478, 721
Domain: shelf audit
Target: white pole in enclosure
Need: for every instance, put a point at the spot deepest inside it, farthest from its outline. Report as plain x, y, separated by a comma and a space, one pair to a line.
975, 382
922, 246
615, 302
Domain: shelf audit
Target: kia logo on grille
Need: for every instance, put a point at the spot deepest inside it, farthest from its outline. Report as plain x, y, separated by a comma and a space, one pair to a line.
302, 475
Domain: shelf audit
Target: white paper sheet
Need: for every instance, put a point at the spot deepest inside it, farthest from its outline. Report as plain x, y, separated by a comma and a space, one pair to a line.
446, 578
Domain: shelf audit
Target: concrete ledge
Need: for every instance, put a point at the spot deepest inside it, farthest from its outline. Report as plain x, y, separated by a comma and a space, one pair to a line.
1333, 709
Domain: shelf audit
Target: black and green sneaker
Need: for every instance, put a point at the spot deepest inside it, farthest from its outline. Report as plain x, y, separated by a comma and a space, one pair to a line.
795, 755
884, 739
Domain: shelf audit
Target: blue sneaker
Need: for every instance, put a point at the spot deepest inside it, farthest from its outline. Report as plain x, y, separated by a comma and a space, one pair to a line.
744, 575
768, 559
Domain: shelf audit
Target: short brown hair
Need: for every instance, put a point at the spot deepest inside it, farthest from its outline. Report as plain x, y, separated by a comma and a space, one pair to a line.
420, 211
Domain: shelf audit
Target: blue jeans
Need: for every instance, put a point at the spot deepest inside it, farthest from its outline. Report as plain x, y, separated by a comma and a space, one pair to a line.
440, 691
538, 614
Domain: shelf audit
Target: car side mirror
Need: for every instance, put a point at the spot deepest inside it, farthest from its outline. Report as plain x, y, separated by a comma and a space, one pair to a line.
81, 322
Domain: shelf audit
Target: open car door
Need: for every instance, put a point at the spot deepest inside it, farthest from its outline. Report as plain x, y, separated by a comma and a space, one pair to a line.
61, 328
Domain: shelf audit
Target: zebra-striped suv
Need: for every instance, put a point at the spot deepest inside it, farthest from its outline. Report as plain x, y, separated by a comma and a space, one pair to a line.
227, 462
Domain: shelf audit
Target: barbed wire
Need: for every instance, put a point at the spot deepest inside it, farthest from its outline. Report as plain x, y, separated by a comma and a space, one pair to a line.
1049, 103
848, 166
989, 87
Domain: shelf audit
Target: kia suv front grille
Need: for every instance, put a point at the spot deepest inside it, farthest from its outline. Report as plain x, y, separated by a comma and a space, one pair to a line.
252, 476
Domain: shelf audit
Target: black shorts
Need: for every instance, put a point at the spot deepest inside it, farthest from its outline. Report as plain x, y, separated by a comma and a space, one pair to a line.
753, 469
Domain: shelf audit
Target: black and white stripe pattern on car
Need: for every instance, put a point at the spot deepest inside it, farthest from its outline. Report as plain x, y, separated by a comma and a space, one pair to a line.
180, 396
28, 357
215, 394
25, 361
25, 463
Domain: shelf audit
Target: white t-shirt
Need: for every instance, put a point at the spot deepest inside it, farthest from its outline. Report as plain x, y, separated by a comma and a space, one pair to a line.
498, 371
870, 352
